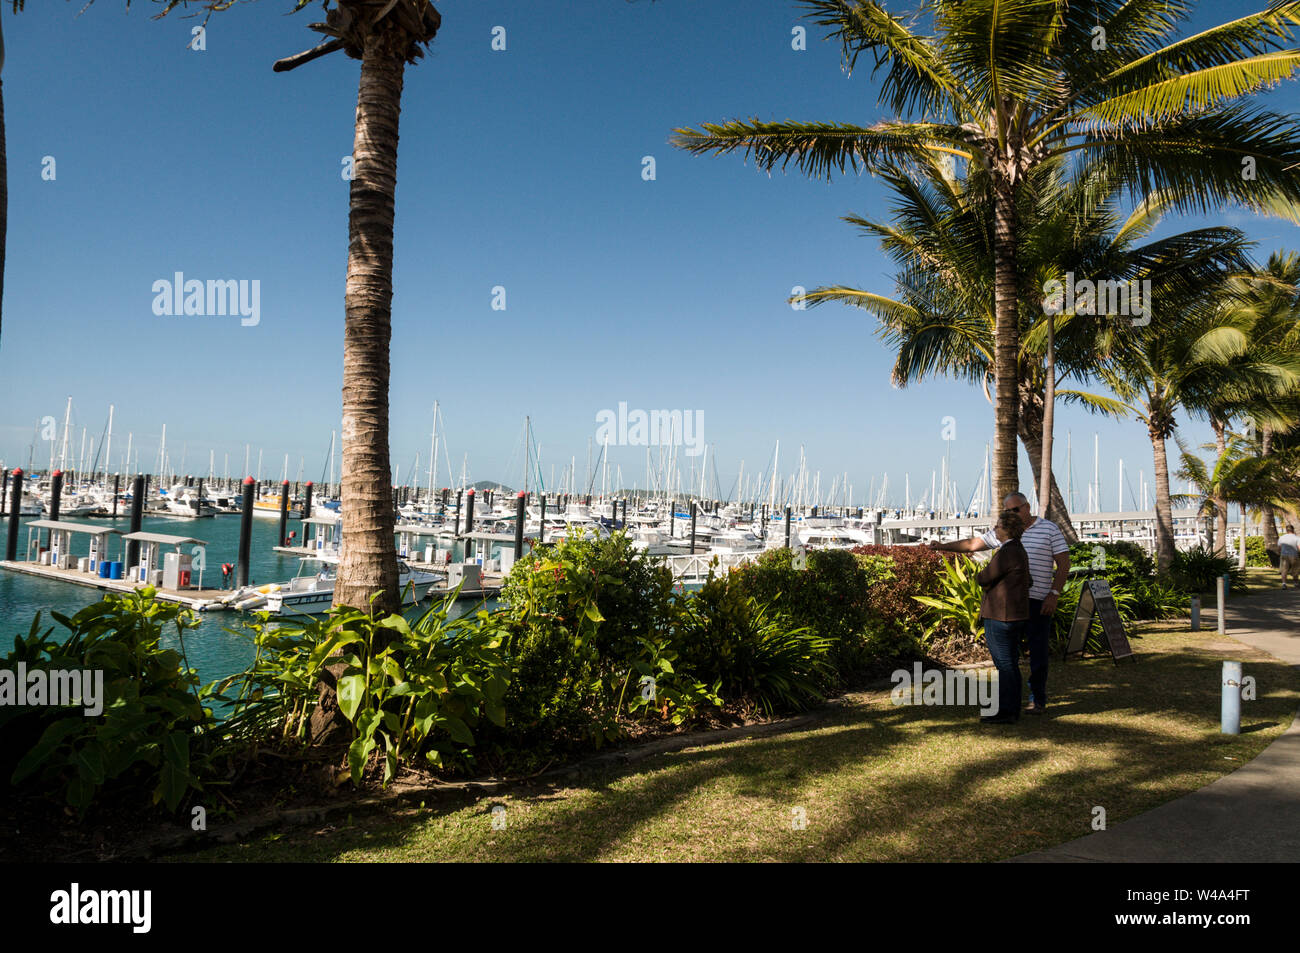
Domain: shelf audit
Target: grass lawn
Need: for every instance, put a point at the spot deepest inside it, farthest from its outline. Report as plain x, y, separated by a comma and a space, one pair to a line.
874, 781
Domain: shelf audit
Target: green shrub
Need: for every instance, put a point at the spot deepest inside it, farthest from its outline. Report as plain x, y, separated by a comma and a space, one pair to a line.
827, 594
894, 575
1196, 570
149, 735
409, 689
588, 619
1122, 561
727, 637
1257, 553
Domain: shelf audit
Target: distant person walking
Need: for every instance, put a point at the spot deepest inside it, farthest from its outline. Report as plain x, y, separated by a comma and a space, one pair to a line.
1049, 567
1288, 550
1005, 611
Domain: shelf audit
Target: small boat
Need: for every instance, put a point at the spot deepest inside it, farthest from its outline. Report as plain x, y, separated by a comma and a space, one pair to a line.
313, 593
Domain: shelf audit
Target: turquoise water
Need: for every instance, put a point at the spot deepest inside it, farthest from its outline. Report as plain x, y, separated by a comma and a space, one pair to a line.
220, 646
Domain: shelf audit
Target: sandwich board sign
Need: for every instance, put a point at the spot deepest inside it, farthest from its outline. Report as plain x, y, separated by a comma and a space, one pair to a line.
1097, 600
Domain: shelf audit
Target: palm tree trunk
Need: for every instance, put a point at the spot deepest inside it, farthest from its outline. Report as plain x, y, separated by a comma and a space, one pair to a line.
1006, 478
368, 561
1049, 408
1164, 508
1220, 504
1030, 414
1267, 513
4, 180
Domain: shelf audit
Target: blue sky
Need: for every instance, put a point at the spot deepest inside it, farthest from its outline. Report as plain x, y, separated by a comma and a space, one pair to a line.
520, 169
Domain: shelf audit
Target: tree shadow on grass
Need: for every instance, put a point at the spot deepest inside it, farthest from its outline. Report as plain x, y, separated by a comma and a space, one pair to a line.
878, 782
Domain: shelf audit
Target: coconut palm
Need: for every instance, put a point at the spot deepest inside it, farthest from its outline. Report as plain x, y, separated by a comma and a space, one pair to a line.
1272, 297
384, 35
1195, 357
1010, 84
1238, 476
940, 237
4, 169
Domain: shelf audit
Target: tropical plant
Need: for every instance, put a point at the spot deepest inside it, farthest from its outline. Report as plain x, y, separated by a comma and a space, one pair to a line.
1198, 569
894, 575
956, 608
730, 639
151, 731
408, 689
1008, 86
826, 591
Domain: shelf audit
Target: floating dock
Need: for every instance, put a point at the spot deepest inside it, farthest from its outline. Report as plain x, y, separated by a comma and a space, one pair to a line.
201, 600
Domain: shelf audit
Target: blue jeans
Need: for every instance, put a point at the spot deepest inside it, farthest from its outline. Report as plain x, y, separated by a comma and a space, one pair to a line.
1003, 639
1038, 632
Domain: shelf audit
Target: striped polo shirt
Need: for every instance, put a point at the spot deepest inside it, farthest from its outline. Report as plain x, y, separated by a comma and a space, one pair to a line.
1043, 541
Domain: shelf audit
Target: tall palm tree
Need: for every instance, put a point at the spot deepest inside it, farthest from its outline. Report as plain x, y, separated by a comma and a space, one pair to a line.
940, 237
1272, 297
4, 170
1010, 84
1238, 476
384, 35
1195, 357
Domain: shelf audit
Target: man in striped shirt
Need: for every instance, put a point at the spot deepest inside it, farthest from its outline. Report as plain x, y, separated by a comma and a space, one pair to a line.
1049, 567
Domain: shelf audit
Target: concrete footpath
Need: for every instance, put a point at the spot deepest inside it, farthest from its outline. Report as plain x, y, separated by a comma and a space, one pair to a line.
1250, 815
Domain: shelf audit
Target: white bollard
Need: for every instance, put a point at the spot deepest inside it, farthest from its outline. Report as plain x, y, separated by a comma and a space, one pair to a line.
1230, 715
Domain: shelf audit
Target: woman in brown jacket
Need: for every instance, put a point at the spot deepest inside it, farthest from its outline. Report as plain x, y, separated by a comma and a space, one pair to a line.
1005, 609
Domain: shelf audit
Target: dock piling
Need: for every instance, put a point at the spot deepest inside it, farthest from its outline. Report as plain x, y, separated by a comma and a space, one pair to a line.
519, 526
284, 511
306, 514
15, 511
245, 534
137, 514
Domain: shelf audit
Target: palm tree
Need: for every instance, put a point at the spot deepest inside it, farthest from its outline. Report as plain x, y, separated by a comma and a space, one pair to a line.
384, 35
1239, 476
4, 170
940, 237
1010, 84
1197, 358
1272, 297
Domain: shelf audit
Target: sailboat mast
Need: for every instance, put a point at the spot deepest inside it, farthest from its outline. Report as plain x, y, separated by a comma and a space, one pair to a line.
63, 454
433, 455
108, 445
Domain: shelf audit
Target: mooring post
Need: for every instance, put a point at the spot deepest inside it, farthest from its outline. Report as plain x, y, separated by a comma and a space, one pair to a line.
56, 498
692, 527
137, 515
541, 526
306, 514
1230, 714
117, 486
469, 514
459, 510
520, 502
245, 534
787, 527
15, 512
284, 511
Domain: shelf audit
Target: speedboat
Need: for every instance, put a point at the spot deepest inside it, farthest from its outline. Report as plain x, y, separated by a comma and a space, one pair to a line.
313, 593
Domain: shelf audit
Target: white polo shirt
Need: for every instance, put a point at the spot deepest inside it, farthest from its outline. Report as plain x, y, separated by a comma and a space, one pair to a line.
1043, 542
